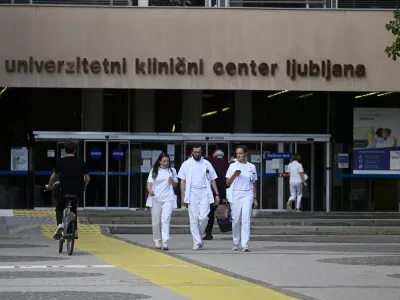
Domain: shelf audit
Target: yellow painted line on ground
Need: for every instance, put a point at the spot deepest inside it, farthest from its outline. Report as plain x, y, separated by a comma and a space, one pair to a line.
184, 278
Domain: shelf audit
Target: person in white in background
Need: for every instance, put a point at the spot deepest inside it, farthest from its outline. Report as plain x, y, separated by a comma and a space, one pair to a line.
160, 185
197, 177
296, 181
243, 176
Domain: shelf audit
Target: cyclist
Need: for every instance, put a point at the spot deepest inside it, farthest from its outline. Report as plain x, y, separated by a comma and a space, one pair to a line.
74, 177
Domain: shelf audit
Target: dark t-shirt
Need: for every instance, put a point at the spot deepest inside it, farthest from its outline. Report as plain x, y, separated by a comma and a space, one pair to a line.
71, 171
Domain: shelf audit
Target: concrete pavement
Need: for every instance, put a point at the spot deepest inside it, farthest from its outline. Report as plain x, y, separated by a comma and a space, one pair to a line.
306, 267
103, 267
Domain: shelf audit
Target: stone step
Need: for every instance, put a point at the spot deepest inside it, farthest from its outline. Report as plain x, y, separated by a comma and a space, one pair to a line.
260, 221
267, 230
258, 214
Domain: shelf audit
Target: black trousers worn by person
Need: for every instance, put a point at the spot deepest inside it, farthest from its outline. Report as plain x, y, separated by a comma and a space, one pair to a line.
62, 202
211, 218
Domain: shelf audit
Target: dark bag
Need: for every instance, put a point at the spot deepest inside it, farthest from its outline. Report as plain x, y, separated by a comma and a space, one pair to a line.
224, 217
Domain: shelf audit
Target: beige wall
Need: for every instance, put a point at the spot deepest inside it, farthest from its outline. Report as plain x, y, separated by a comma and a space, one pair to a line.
61, 34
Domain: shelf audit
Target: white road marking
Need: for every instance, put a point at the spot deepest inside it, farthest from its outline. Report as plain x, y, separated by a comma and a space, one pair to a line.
58, 267
162, 266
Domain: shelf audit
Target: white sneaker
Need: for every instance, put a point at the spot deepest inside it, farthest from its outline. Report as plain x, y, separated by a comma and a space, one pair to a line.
58, 233
165, 246
235, 248
245, 249
196, 247
157, 245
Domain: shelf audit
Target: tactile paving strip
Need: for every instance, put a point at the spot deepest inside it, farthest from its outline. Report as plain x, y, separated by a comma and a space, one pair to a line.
82, 229
33, 213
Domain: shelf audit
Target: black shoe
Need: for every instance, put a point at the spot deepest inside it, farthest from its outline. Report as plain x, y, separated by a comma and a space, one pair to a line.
208, 237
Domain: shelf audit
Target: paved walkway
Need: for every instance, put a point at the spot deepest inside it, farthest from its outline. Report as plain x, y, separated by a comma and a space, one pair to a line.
306, 267
127, 267
107, 268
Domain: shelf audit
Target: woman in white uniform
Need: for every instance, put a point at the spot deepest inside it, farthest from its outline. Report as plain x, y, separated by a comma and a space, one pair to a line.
296, 173
241, 177
160, 185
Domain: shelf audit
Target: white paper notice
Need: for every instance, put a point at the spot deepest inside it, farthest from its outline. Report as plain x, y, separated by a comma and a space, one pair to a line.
146, 153
63, 153
19, 159
255, 158
394, 160
275, 164
286, 168
51, 153
145, 168
268, 167
146, 162
171, 149
154, 156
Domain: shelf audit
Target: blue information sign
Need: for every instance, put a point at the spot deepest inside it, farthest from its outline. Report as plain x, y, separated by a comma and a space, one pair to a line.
118, 154
277, 155
376, 161
95, 153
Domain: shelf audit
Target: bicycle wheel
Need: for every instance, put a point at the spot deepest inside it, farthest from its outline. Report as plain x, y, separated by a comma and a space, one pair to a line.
60, 245
71, 238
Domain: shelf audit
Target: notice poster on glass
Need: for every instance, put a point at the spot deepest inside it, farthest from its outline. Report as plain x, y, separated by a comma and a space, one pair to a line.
343, 160
19, 159
376, 140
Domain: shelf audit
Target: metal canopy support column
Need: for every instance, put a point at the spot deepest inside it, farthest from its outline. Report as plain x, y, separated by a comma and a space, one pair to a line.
328, 177
312, 193
280, 179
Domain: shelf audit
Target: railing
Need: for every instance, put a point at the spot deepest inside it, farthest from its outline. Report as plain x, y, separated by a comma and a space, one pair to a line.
188, 3
368, 4
341, 4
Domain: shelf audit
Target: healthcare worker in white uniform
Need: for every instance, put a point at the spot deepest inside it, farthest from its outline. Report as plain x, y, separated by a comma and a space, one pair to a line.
241, 177
197, 176
160, 186
296, 181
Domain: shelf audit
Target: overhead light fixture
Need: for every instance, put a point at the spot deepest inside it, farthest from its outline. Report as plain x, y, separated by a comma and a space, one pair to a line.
173, 127
2, 91
276, 94
366, 95
305, 95
210, 113
225, 109
384, 94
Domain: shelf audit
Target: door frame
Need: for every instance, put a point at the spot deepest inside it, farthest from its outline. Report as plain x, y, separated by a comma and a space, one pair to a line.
106, 170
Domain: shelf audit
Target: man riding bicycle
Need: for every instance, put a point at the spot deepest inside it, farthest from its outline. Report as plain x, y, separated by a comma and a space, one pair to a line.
74, 177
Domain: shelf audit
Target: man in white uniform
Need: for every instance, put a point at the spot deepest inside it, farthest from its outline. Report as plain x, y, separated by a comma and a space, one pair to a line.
197, 177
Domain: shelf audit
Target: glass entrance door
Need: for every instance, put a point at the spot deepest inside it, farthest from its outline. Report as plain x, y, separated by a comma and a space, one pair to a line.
119, 174
110, 171
96, 160
307, 156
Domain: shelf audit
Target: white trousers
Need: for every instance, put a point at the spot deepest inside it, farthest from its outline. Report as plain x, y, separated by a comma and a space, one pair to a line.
296, 193
241, 217
199, 208
161, 217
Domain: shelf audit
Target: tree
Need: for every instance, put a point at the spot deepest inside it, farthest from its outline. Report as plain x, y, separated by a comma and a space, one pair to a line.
393, 26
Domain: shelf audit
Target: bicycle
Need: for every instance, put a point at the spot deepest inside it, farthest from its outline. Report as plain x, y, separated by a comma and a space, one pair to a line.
68, 221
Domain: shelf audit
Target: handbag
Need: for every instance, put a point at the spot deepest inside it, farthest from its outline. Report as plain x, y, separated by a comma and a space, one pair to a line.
224, 218
222, 211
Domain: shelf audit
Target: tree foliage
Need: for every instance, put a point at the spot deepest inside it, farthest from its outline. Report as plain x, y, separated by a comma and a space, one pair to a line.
393, 26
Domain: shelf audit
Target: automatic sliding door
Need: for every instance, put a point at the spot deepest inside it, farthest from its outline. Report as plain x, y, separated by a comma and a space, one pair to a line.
96, 157
119, 173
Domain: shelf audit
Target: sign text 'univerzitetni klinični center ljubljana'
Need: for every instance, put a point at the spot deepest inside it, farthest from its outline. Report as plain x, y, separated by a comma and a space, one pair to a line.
181, 66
